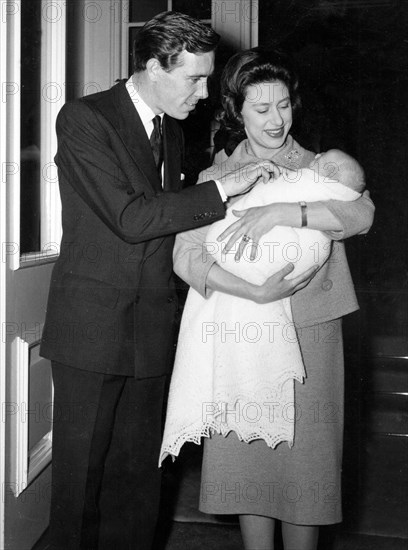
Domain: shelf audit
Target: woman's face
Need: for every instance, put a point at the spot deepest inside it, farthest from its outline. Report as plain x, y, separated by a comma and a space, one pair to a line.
267, 117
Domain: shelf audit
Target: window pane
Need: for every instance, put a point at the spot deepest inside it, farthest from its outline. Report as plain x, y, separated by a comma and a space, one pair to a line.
143, 10
200, 9
30, 125
74, 52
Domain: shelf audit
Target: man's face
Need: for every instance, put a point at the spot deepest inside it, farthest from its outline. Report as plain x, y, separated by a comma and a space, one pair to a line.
179, 90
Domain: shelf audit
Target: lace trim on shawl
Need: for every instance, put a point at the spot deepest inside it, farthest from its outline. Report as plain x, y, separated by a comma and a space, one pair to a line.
270, 412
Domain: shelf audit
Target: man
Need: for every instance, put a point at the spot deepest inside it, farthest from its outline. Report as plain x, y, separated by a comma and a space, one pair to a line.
110, 316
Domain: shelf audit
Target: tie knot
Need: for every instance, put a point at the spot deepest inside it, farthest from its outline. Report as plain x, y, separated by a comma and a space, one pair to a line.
157, 124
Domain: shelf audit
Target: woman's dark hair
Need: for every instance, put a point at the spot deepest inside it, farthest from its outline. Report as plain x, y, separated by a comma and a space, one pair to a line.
247, 68
168, 34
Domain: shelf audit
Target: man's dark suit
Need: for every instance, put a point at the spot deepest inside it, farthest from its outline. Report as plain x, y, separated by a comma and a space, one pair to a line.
110, 315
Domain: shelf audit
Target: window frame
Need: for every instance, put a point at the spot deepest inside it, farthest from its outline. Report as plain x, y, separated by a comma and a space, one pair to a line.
53, 48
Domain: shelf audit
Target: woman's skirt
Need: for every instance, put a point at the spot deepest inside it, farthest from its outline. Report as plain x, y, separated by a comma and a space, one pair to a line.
302, 484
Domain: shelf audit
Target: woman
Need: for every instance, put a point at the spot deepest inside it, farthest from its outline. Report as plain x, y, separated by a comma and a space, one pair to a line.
299, 485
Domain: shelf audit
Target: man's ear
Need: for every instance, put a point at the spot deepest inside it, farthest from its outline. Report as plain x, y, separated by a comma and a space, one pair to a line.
153, 69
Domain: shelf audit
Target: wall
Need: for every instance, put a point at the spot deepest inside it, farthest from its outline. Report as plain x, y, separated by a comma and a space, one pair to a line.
352, 64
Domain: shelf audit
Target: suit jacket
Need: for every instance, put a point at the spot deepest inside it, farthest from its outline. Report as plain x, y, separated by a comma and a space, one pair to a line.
112, 301
330, 294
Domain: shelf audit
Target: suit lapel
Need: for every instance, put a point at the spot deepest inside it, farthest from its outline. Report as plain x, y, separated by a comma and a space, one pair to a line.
118, 108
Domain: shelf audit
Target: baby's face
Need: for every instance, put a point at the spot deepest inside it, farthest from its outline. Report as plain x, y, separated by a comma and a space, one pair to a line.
328, 164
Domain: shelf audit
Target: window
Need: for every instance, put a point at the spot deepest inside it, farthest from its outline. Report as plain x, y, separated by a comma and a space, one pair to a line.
137, 12
37, 74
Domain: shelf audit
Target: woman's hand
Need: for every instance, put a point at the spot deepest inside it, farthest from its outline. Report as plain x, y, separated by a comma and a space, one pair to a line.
257, 221
277, 287
274, 288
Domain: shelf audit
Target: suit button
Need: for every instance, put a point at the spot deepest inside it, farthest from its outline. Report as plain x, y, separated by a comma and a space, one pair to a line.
170, 300
327, 284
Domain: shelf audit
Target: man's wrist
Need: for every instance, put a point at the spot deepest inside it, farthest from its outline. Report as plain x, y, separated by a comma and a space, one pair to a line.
224, 196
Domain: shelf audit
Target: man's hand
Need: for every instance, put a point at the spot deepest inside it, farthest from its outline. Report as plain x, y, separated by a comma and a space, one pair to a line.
242, 179
277, 287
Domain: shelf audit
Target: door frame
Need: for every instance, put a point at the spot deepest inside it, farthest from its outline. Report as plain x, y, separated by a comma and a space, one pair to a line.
14, 453
94, 22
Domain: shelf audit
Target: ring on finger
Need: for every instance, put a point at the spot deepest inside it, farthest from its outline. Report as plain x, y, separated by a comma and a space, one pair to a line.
246, 238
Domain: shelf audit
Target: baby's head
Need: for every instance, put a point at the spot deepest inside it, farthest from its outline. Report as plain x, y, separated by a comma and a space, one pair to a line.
339, 166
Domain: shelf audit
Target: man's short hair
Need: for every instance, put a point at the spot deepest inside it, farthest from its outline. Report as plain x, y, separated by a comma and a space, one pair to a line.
167, 35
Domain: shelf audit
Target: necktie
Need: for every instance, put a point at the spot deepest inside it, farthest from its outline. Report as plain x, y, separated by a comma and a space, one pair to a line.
156, 142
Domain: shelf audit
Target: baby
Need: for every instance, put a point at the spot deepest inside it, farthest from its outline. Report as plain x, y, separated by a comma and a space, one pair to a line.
332, 175
247, 355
